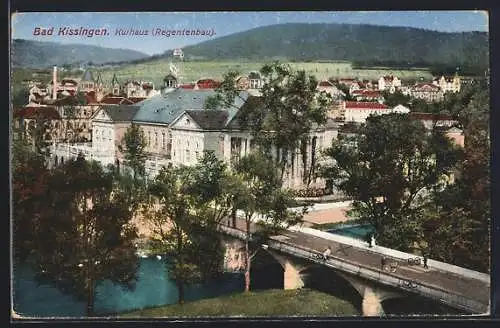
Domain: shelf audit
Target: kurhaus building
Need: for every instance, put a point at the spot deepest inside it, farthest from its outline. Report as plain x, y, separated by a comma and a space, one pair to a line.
178, 129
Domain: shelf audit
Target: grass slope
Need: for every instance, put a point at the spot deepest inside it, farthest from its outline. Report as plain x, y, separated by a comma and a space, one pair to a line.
300, 302
156, 70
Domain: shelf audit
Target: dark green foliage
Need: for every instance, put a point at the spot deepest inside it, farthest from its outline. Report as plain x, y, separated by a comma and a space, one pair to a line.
387, 168
82, 235
396, 98
133, 147
458, 218
19, 97
281, 119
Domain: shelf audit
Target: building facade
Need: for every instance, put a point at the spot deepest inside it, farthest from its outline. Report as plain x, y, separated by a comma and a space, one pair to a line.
178, 130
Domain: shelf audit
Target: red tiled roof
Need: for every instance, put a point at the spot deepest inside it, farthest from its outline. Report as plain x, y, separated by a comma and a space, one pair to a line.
325, 84
187, 86
29, 112
147, 86
364, 104
207, 84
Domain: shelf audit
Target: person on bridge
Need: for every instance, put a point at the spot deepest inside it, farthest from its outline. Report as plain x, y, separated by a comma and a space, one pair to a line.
327, 253
383, 262
425, 262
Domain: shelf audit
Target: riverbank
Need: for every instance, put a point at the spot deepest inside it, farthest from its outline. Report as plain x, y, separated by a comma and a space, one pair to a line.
300, 302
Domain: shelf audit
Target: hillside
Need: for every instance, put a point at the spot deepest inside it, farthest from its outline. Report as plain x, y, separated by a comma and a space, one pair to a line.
362, 43
37, 54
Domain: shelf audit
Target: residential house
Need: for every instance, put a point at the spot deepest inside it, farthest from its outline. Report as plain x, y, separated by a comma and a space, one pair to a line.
456, 135
26, 119
448, 83
255, 80
368, 95
331, 89
358, 112
427, 91
140, 89
389, 83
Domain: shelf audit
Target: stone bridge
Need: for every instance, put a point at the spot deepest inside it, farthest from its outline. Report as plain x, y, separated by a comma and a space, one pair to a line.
298, 251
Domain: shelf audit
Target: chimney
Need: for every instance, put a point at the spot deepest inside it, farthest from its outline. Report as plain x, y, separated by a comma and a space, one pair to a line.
54, 85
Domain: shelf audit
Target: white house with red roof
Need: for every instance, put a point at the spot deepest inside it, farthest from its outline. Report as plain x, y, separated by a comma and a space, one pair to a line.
448, 83
389, 82
331, 89
143, 89
368, 95
427, 91
358, 111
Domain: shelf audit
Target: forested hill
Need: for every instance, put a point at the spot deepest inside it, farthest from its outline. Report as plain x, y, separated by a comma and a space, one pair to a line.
38, 54
358, 43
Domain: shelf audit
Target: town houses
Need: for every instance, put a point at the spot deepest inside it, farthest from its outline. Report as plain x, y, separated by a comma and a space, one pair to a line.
90, 116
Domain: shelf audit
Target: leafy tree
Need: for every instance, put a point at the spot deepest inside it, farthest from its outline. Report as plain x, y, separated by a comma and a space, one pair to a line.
388, 168
396, 98
466, 205
212, 187
259, 193
282, 117
85, 235
171, 225
20, 97
133, 147
30, 178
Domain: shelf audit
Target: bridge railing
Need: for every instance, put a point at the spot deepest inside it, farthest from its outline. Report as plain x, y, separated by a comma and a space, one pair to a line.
386, 278
394, 253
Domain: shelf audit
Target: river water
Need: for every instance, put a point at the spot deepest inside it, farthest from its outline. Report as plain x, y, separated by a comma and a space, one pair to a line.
153, 289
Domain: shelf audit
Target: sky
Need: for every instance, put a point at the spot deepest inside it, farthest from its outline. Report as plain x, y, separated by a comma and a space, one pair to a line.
219, 24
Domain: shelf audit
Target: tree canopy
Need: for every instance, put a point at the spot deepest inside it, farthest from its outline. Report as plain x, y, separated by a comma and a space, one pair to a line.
387, 167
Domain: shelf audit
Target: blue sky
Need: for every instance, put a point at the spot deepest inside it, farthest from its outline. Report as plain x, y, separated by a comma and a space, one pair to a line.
223, 23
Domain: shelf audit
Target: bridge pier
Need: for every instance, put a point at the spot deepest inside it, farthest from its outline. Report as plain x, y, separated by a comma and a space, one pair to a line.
373, 296
292, 276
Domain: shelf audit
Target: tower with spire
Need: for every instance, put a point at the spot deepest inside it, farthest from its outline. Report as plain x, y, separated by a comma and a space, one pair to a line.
115, 86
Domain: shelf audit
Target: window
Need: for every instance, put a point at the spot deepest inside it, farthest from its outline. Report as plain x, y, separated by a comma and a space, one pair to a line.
163, 140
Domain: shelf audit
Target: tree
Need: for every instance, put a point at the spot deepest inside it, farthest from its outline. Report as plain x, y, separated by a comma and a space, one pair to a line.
170, 217
282, 117
212, 187
466, 205
388, 167
259, 192
133, 147
396, 98
20, 97
30, 178
85, 236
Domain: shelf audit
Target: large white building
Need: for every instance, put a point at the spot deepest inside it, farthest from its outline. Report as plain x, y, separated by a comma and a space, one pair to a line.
178, 129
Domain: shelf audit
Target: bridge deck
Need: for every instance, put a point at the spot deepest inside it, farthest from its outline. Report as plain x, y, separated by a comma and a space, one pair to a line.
457, 284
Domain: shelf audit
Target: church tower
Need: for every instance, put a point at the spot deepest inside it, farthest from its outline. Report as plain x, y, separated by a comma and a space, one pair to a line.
115, 86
